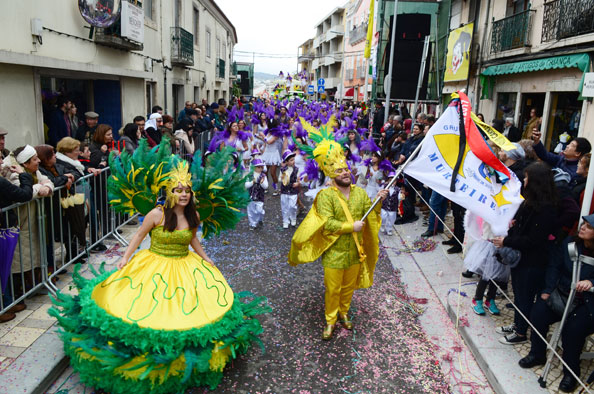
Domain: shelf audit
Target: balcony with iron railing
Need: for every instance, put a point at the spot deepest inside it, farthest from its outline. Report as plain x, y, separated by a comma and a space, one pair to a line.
358, 34
350, 74
361, 72
220, 72
567, 18
182, 47
512, 32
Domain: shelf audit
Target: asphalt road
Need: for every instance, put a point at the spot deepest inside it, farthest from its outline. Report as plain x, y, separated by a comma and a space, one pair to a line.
386, 353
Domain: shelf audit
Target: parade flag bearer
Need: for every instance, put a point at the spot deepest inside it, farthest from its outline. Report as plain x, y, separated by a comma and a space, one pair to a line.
334, 231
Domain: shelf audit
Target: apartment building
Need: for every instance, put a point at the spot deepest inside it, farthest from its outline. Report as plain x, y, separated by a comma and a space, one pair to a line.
357, 22
329, 51
530, 55
179, 50
306, 57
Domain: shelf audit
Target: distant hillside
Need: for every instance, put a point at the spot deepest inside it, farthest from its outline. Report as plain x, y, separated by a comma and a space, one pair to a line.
264, 76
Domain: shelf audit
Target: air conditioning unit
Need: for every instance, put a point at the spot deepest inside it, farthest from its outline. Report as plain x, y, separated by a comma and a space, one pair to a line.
188, 76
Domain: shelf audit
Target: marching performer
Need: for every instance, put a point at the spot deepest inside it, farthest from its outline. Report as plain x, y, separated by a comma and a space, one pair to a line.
334, 231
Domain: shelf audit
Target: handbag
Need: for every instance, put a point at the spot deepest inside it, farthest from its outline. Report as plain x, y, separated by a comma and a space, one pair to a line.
508, 256
558, 300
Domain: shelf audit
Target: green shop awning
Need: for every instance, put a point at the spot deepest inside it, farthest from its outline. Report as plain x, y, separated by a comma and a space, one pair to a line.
581, 61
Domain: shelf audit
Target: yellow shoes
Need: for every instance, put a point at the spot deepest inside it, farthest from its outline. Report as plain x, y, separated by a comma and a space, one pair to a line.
346, 322
327, 334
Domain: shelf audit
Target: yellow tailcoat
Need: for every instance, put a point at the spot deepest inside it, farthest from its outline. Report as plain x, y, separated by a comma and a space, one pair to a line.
326, 232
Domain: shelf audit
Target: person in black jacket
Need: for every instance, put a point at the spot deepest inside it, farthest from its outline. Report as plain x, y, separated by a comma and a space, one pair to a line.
411, 184
580, 322
510, 131
529, 233
11, 194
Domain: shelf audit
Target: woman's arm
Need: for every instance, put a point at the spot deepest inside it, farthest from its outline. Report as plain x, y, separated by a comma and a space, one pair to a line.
198, 248
150, 221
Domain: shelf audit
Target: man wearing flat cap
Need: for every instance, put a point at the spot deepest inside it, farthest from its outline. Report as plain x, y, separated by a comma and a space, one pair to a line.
86, 131
3, 151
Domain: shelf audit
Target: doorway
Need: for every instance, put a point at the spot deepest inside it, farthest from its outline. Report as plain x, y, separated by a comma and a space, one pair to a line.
564, 117
529, 101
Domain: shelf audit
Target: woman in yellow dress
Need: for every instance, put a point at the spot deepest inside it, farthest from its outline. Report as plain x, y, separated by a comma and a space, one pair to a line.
166, 320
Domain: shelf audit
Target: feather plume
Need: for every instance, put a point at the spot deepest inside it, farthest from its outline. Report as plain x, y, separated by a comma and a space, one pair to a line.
369, 145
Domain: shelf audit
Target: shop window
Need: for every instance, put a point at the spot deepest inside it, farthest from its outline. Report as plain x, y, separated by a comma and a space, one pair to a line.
506, 105
564, 117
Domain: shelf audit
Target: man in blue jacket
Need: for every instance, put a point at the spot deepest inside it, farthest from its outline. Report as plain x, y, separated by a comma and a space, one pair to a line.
568, 159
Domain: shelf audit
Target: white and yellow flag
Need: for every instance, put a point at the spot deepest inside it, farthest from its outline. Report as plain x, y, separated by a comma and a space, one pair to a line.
476, 188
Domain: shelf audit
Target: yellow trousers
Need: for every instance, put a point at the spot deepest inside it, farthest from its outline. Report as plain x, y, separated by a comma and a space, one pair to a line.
340, 285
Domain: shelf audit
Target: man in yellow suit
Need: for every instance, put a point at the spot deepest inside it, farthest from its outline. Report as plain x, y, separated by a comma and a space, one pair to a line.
333, 229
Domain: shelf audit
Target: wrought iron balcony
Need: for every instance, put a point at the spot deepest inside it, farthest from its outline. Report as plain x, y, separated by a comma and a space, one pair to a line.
111, 37
567, 18
220, 69
358, 34
182, 47
512, 32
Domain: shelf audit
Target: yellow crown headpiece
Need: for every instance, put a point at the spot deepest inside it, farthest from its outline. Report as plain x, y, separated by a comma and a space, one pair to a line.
180, 174
328, 153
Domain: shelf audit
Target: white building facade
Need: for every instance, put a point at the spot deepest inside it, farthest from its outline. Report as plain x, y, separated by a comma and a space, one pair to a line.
328, 47
47, 49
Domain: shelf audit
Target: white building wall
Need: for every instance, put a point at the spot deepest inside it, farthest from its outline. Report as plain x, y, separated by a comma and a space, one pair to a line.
71, 54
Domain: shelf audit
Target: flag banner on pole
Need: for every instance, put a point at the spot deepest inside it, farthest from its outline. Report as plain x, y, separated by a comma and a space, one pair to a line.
367, 52
476, 186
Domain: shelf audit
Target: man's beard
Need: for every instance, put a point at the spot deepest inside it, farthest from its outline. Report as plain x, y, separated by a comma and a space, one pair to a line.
343, 183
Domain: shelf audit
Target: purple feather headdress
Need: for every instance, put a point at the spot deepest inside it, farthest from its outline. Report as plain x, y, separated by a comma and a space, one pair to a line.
255, 119
356, 158
300, 131
367, 162
311, 169
369, 145
214, 144
280, 131
386, 166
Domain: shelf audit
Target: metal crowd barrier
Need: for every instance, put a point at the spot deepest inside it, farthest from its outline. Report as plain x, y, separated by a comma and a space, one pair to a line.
52, 237
201, 142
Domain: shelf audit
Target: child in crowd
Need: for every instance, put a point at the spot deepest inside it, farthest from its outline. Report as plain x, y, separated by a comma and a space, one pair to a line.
256, 186
289, 189
390, 206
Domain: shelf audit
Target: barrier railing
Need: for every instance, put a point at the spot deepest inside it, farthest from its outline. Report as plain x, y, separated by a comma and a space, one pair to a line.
551, 346
52, 233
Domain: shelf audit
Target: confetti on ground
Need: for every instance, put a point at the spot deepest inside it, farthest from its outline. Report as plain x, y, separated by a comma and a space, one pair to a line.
387, 352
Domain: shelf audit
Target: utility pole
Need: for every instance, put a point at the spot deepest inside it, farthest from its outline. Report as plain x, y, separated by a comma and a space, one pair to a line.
391, 67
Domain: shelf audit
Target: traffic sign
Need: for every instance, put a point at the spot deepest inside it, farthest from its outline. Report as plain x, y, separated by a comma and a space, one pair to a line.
321, 81
310, 89
321, 89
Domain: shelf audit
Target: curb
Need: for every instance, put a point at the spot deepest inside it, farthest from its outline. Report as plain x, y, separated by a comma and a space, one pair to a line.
36, 369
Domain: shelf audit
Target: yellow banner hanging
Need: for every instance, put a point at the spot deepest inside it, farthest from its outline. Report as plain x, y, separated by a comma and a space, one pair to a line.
367, 53
458, 57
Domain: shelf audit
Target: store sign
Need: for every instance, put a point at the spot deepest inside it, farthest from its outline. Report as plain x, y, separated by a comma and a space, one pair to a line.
458, 59
132, 21
588, 87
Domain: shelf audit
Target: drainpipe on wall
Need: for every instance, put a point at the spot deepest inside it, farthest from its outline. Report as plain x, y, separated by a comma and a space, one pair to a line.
477, 88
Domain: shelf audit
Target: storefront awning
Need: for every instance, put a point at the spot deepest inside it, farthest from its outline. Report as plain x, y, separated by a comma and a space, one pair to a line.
350, 92
580, 61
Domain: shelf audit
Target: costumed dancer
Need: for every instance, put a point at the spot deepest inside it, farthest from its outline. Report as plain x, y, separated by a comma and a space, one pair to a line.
289, 189
256, 186
272, 152
166, 320
390, 206
334, 231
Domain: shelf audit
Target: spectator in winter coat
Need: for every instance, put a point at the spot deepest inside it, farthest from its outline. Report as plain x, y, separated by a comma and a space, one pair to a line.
529, 233
568, 159
130, 138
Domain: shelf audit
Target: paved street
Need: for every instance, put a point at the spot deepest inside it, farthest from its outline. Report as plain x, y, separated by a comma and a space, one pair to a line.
386, 353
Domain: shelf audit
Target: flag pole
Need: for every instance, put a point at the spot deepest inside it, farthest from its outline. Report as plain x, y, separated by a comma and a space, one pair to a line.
393, 180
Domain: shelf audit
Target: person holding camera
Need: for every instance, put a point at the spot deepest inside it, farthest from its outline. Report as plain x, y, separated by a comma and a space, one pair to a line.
568, 159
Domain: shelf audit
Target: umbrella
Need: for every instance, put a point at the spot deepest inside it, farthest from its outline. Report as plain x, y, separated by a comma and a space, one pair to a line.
74, 210
9, 238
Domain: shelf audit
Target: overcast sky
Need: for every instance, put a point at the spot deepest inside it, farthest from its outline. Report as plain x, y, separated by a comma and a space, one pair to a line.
274, 26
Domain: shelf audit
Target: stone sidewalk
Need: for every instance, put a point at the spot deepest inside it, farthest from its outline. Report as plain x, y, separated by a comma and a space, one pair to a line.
499, 362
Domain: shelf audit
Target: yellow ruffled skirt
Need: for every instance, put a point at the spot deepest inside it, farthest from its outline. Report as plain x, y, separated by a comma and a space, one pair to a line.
168, 293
